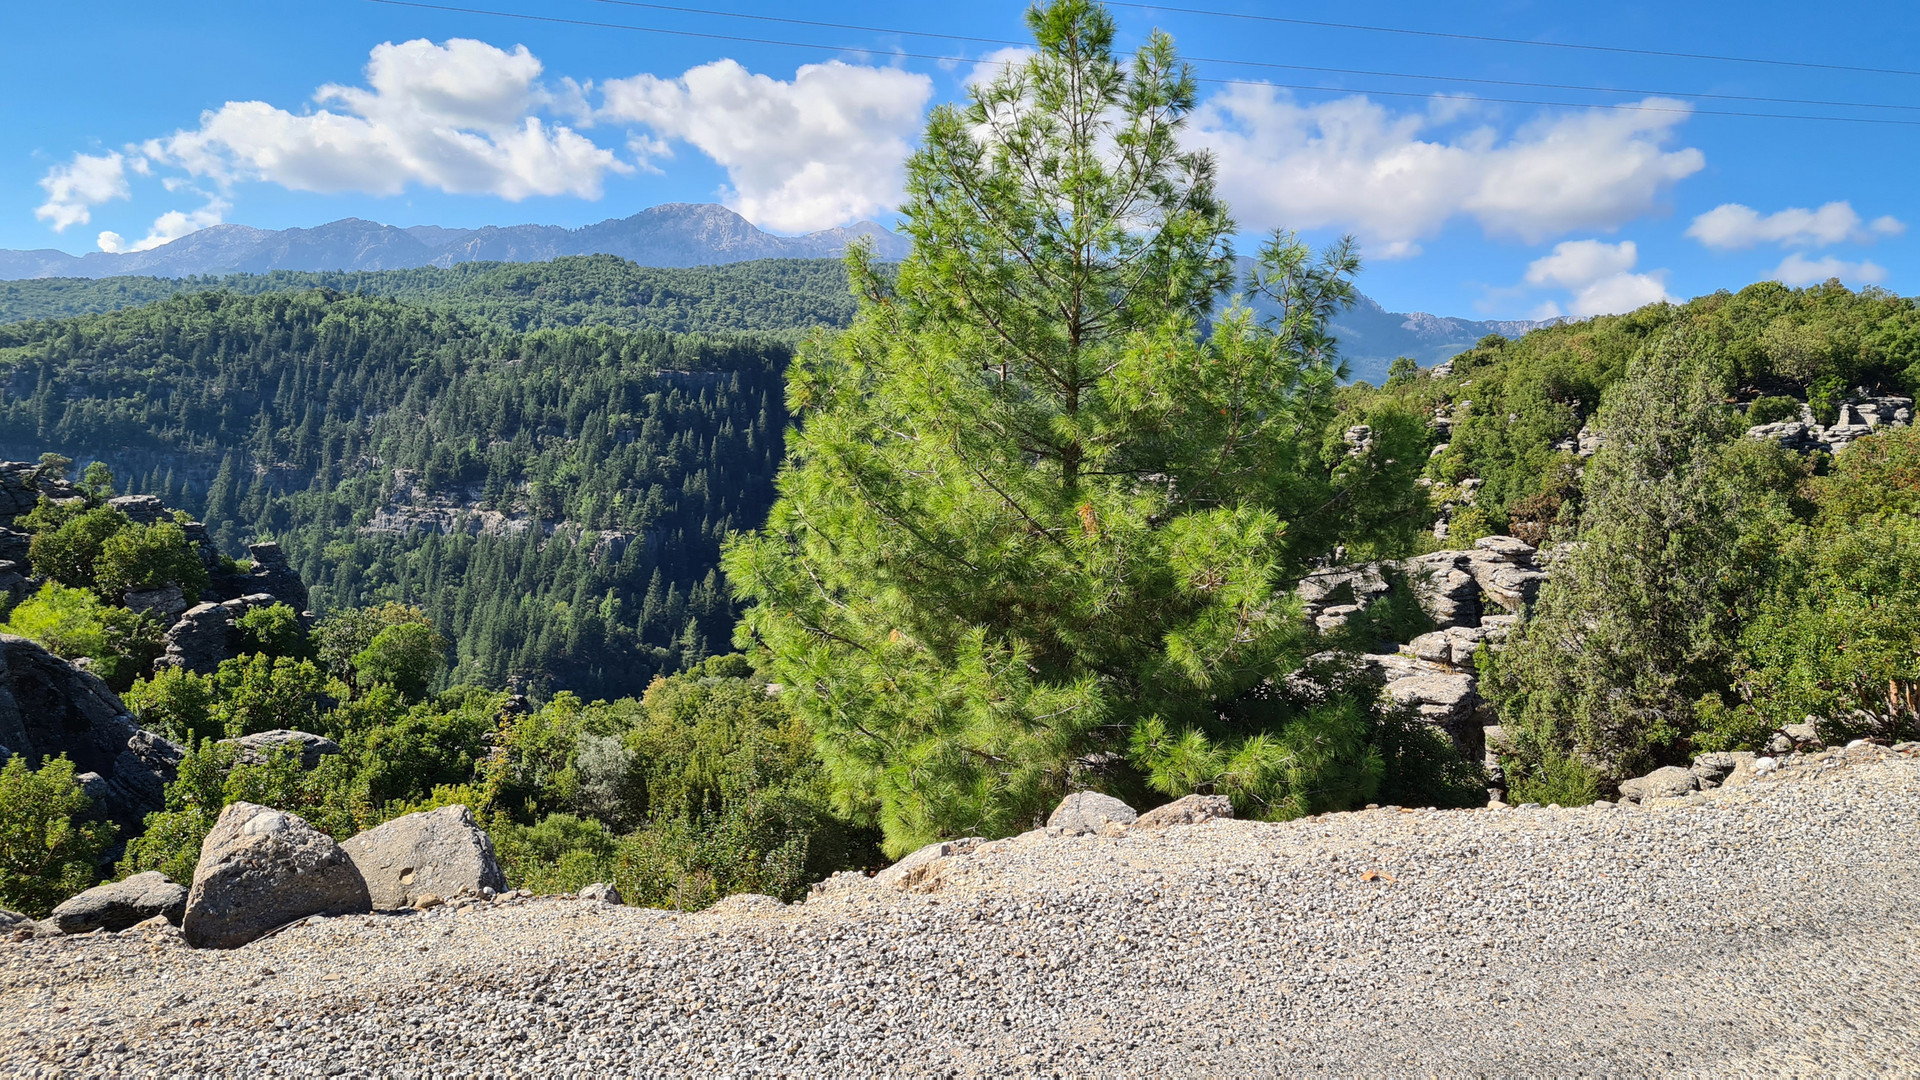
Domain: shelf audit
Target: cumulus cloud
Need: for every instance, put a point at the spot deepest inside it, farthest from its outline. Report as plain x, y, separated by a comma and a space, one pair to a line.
1599, 275
825, 148
1797, 270
1394, 179
169, 227
1733, 227
74, 189
458, 117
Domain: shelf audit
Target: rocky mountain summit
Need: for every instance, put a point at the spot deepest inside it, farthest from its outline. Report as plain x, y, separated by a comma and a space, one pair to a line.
1697, 933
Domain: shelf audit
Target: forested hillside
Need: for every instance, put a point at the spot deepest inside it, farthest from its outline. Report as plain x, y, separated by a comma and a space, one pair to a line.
554, 499
765, 295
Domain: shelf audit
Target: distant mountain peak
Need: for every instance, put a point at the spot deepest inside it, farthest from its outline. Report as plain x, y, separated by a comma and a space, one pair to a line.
671, 234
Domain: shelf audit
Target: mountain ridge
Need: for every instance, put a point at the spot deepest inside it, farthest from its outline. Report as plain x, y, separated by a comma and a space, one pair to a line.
669, 235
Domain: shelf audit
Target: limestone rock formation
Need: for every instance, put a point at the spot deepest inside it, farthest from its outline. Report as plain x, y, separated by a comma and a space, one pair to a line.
49, 707
261, 869
120, 904
254, 749
1090, 812
1860, 415
442, 851
207, 634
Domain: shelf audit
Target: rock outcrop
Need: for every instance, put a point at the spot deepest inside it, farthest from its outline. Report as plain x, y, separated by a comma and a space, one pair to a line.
261, 869
254, 749
443, 852
120, 904
49, 707
208, 633
1859, 416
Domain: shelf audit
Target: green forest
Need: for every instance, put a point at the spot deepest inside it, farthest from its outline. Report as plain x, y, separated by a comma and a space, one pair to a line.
768, 295
1031, 521
584, 477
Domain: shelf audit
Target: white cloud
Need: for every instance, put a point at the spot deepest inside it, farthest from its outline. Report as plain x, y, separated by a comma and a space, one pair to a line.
1619, 293
1575, 263
1732, 227
169, 227
1599, 275
828, 147
1354, 164
1796, 269
74, 189
457, 117
996, 63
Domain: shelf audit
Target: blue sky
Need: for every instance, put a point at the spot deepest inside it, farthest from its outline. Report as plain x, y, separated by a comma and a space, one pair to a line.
136, 122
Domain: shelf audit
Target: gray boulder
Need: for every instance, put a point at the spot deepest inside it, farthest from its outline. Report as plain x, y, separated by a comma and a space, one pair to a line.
443, 852
1445, 589
120, 904
1716, 769
1090, 812
207, 635
254, 749
1668, 782
49, 707
168, 602
1804, 736
601, 891
1189, 810
1446, 700
261, 869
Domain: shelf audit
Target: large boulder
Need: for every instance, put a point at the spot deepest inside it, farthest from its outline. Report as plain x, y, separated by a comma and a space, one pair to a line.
254, 749
443, 852
1189, 810
1669, 782
918, 862
120, 904
1090, 812
49, 707
261, 869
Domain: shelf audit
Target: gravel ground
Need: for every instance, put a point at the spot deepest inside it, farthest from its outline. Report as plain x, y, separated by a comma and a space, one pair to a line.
1768, 928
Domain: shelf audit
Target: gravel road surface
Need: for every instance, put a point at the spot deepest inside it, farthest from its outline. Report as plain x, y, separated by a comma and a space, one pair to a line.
1767, 928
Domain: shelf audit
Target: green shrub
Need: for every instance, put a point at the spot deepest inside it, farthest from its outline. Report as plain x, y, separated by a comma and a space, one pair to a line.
144, 557
176, 703
274, 630
1555, 779
48, 850
72, 623
68, 540
1772, 410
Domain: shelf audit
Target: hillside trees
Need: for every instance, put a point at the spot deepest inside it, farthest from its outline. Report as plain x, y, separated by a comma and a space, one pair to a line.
1028, 506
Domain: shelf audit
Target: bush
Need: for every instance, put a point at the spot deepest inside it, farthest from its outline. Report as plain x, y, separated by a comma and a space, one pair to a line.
176, 703
1772, 410
405, 656
1556, 779
48, 850
68, 540
72, 623
143, 557
274, 630
561, 853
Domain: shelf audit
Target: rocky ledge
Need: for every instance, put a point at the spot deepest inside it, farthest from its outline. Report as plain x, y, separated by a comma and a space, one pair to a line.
1760, 927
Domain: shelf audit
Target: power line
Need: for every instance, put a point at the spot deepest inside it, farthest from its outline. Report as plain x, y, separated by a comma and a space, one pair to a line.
1515, 41
1275, 66
742, 39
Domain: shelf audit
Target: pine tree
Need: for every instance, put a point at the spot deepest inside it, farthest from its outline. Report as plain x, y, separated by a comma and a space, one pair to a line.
1031, 504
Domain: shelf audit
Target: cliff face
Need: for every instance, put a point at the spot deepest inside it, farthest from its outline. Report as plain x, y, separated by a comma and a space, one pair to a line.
49, 707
